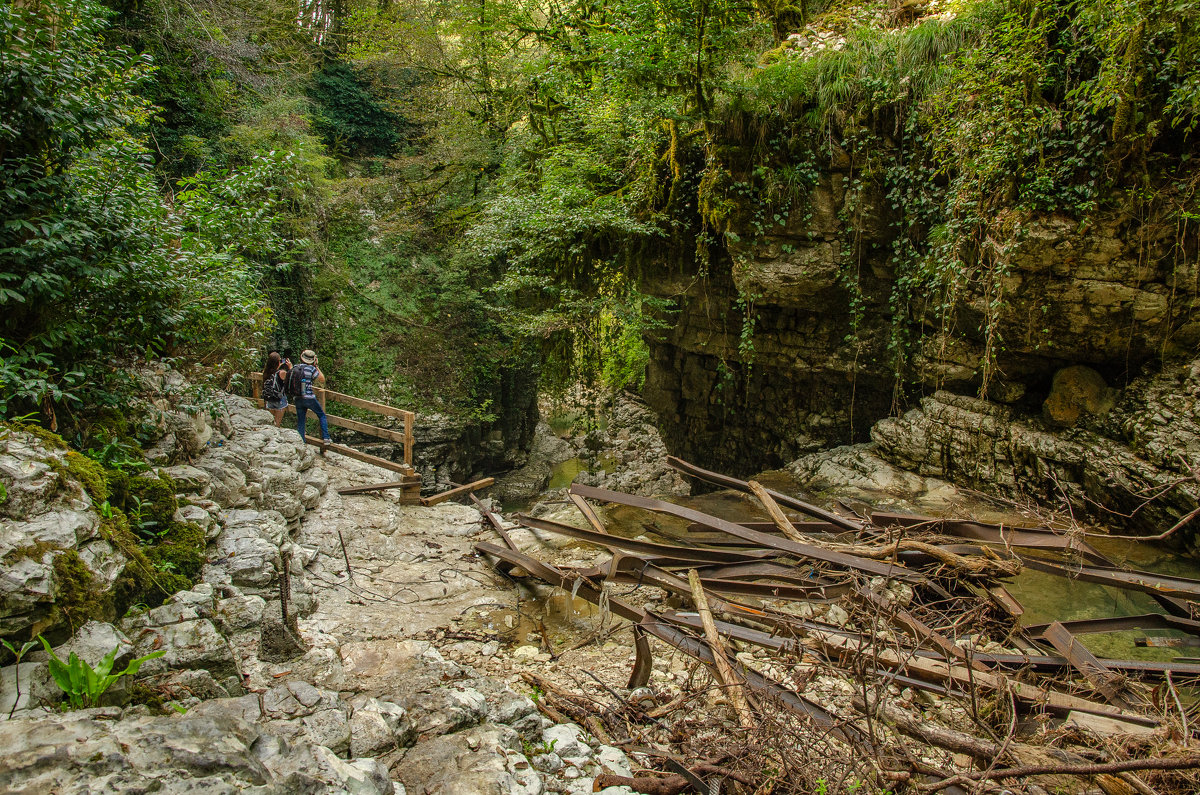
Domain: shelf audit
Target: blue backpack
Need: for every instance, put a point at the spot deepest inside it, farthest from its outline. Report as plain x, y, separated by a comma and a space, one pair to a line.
300, 382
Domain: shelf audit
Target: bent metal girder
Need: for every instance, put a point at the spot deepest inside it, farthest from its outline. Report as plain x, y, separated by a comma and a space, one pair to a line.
652, 624
782, 545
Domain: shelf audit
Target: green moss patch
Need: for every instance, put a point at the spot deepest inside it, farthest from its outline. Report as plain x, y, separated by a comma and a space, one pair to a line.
144, 581
49, 439
78, 598
89, 474
180, 550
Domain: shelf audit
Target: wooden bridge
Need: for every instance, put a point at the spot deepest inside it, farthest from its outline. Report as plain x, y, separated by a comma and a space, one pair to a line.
410, 482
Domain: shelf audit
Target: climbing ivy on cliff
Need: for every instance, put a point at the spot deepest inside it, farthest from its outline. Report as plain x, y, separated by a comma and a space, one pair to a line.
973, 124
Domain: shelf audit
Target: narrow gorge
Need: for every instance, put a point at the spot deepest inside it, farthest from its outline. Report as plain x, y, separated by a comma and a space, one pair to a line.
790, 398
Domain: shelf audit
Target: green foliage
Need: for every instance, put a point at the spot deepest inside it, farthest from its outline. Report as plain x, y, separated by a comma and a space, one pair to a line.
118, 455
97, 263
595, 175
84, 685
18, 654
349, 117
967, 127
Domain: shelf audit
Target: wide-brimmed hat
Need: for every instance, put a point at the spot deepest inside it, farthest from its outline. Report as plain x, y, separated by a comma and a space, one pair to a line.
309, 357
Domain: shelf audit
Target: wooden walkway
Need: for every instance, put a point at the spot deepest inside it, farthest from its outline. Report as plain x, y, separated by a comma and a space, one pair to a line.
410, 483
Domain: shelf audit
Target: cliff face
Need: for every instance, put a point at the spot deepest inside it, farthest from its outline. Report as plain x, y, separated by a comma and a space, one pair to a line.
784, 347
753, 384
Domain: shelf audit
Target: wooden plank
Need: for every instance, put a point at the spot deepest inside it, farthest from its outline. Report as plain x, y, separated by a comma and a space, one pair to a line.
445, 495
1101, 678
1104, 725
408, 438
394, 484
350, 452
353, 425
732, 683
783, 499
369, 405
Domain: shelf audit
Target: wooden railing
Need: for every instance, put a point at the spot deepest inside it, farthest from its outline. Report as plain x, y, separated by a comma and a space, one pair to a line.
405, 438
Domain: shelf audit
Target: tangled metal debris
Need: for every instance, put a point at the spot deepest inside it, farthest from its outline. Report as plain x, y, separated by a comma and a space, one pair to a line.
924, 590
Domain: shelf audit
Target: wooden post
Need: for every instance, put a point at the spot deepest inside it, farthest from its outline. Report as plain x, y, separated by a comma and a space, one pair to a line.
732, 684
777, 516
408, 438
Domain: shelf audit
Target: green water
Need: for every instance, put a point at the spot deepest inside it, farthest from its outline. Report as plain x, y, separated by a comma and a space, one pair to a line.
563, 474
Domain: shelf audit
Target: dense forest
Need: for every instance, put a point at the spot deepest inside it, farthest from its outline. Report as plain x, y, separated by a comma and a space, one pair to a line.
431, 193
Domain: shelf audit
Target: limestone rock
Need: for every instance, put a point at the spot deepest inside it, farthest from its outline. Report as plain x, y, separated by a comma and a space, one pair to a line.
1077, 392
239, 612
370, 734
91, 643
189, 644
566, 739
477, 761
36, 685
171, 755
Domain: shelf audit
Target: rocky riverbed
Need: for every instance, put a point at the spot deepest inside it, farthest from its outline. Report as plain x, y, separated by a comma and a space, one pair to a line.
348, 643
359, 681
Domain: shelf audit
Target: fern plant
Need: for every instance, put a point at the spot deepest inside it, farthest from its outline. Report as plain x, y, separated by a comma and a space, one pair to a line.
83, 684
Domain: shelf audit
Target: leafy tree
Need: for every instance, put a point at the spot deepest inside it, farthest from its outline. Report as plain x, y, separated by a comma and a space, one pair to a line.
95, 264
349, 117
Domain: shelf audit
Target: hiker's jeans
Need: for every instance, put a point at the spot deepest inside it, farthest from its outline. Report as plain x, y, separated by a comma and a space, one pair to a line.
303, 405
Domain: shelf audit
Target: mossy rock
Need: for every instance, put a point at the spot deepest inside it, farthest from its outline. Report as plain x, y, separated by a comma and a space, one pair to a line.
180, 550
90, 475
153, 498
78, 598
143, 581
117, 483
49, 439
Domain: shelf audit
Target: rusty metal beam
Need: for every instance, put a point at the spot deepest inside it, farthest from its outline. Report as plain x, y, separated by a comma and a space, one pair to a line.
1100, 677
1154, 584
836, 726
1121, 624
783, 545
999, 534
644, 547
794, 503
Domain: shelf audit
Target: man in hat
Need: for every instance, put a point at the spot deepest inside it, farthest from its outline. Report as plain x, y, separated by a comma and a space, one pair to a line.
304, 377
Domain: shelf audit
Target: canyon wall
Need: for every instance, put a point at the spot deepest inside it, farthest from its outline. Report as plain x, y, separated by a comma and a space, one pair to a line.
813, 367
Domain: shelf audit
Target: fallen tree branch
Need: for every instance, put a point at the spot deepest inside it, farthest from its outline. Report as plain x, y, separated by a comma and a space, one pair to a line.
1094, 769
988, 567
737, 696
667, 785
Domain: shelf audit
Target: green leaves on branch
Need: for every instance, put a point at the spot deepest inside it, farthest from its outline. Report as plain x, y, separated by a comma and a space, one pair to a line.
96, 263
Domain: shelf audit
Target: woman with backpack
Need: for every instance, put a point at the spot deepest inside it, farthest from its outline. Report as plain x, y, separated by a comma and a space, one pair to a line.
274, 383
